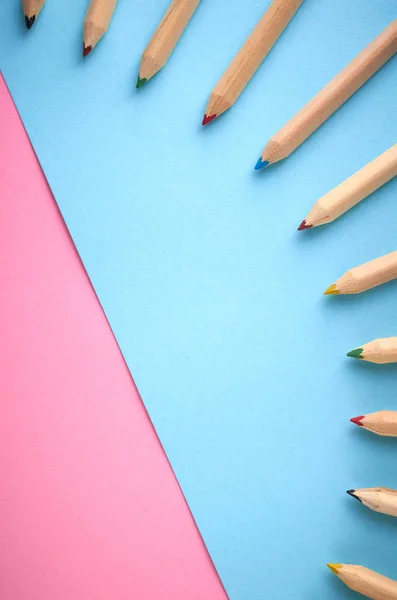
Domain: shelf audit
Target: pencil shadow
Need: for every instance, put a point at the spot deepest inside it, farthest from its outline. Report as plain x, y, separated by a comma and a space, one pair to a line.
22, 31
363, 437
371, 368
327, 584
366, 517
371, 375
308, 235
78, 40
78, 50
268, 174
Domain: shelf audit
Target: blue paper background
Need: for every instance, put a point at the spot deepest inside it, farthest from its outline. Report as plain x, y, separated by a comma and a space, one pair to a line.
215, 299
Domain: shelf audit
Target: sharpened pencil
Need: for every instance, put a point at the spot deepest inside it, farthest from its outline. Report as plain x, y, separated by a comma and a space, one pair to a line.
381, 351
165, 38
366, 582
96, 22
379, 499
331, 97
366, 276
250, 56
31, 9
354, 189
383, 422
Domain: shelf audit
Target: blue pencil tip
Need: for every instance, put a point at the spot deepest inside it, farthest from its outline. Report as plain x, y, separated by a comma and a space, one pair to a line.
261, 163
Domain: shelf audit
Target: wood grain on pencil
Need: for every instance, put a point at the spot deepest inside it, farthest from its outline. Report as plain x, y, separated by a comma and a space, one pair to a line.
31, 9
366, 276
354, 189
366, 582
380, 351
331, 97
379, 499
96, 22
250, 56
165, 38
383, 422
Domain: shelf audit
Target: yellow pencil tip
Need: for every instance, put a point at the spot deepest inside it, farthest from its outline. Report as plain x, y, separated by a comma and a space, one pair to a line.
331, 290
334, 567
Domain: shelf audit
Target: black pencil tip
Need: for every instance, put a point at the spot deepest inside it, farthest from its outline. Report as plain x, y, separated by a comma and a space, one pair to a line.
29, 21
353, 494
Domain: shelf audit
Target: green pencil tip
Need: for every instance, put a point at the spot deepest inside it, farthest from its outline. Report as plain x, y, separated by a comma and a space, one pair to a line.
357, 353
140, 82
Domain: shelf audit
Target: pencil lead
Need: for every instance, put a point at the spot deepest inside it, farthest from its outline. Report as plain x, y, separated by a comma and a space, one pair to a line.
207, 120
86, 50
303, 226
331, 290
357, 353
357, 420
29, 21
140, 81
334, 567
352, 493
261, 164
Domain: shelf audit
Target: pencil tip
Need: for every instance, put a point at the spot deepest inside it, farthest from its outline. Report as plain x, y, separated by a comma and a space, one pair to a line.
334, 567
357, 353
29, 21
352, 493
207, 120
331, 290
86, 50
303, 226
357, 420
261, 164
140, 81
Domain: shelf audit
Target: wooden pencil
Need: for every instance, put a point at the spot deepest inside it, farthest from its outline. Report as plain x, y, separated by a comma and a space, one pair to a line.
383, 422
366, 582
382, 500
381, 351
96, 22
250, 56
366, 276
31, 9
354, 189
331, 97
165, 38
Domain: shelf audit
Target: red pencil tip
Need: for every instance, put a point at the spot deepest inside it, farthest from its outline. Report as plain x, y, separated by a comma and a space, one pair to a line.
303, 226
357, 420
208, 119
86, 50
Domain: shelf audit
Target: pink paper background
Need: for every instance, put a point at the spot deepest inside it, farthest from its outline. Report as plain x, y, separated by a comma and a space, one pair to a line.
89, 506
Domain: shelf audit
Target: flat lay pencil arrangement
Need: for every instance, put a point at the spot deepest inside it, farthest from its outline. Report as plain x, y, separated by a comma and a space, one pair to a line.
326, 209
